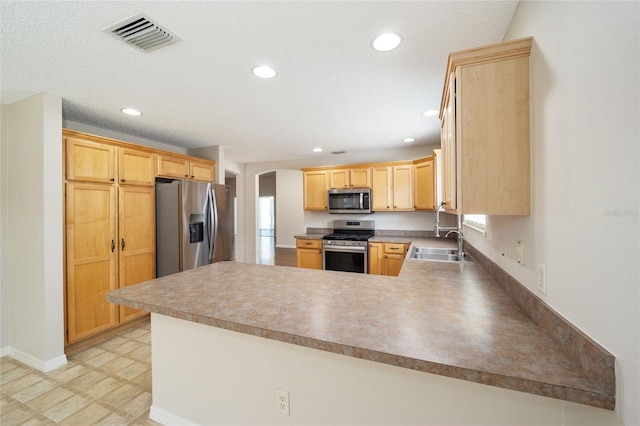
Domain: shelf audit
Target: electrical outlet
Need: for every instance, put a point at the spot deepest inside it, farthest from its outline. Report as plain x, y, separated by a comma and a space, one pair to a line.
520, 252
503, 253
542, 279
282, 401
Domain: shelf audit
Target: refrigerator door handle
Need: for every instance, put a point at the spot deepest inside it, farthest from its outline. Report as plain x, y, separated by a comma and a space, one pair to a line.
214, 218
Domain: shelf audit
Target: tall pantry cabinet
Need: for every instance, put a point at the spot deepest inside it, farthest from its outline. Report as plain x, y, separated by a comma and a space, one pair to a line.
109, 230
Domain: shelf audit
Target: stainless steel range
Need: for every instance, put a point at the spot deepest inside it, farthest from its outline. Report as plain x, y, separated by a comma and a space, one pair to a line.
347, 249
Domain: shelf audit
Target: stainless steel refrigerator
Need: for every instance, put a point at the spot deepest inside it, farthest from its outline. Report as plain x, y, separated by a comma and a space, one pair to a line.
194, 225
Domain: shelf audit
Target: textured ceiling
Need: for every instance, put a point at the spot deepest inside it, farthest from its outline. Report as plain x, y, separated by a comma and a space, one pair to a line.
332, 89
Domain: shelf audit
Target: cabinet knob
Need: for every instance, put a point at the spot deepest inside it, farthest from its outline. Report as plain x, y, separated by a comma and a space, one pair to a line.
112, 179
186, 176
192, 177
113, 245
122, 244
121, 180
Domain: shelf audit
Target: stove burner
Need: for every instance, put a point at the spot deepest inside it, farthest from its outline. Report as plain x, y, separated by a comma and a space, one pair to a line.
348, 236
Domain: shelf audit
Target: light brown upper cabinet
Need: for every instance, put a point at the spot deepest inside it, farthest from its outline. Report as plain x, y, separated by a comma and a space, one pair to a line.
89, 161
315, 185
392, 187
425, 183
403, 187
136, 167
350, 178
486, 130
201, 170
178, 167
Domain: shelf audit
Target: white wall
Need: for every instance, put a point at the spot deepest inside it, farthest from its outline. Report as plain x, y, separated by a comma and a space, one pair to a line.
34, 264
289, 220
390, 221
4, 239
586, 182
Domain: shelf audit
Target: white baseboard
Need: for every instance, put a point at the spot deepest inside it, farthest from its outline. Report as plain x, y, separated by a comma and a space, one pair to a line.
285, 246
165, 417
38, 364
4, 351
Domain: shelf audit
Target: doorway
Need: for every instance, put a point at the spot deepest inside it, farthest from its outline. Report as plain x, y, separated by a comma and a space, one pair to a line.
266, 249
230, 180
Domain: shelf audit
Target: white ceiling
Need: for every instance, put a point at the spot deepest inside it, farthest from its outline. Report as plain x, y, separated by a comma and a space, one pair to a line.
332, 89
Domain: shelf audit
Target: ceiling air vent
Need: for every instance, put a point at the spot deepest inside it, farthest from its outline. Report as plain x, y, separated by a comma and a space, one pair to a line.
141, 32
338, 152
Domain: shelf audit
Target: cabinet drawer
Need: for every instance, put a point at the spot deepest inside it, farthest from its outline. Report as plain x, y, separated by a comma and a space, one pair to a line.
317, 244
394, 248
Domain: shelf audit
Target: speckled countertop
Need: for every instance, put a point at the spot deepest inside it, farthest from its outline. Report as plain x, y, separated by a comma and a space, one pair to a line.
443, 318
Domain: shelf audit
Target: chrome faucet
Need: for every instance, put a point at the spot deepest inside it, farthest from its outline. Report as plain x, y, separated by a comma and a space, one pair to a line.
460, 241
451, 229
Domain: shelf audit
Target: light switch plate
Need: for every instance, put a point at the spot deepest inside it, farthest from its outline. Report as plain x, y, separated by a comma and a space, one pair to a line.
520, 252
542, 279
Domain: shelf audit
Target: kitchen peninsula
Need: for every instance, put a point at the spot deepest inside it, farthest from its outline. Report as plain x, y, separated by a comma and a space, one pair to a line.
227, 335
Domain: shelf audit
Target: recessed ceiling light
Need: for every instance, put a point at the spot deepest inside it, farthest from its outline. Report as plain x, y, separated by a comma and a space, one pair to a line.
131, 111
430, 113
317, 149
408, 140
264, 71
386, 42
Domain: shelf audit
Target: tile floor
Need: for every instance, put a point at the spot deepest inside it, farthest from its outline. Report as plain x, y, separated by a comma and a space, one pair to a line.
107, 384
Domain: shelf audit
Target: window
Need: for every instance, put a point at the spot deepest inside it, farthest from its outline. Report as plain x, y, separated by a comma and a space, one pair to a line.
476, 221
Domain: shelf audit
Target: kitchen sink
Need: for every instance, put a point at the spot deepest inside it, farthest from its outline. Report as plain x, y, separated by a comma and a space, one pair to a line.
438, 254
433, 250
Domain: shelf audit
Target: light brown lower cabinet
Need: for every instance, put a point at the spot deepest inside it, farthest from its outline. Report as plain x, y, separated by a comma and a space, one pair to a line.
309, 253
110, 243
386, 258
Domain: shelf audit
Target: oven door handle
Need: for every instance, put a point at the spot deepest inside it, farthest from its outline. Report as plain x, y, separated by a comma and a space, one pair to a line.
347, 249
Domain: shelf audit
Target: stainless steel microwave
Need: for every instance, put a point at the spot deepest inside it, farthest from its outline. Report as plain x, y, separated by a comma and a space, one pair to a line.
352, 200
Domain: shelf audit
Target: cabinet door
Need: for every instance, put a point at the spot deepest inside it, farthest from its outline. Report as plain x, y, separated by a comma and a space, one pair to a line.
403, 187
360, 178
309, 258
492, 110
392, 264
91, 258
137, 244
315, 190
89, 161
136, 167
173, 167
449, 152
375, 258
339, 179
381, 188
424, 185
201, 171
